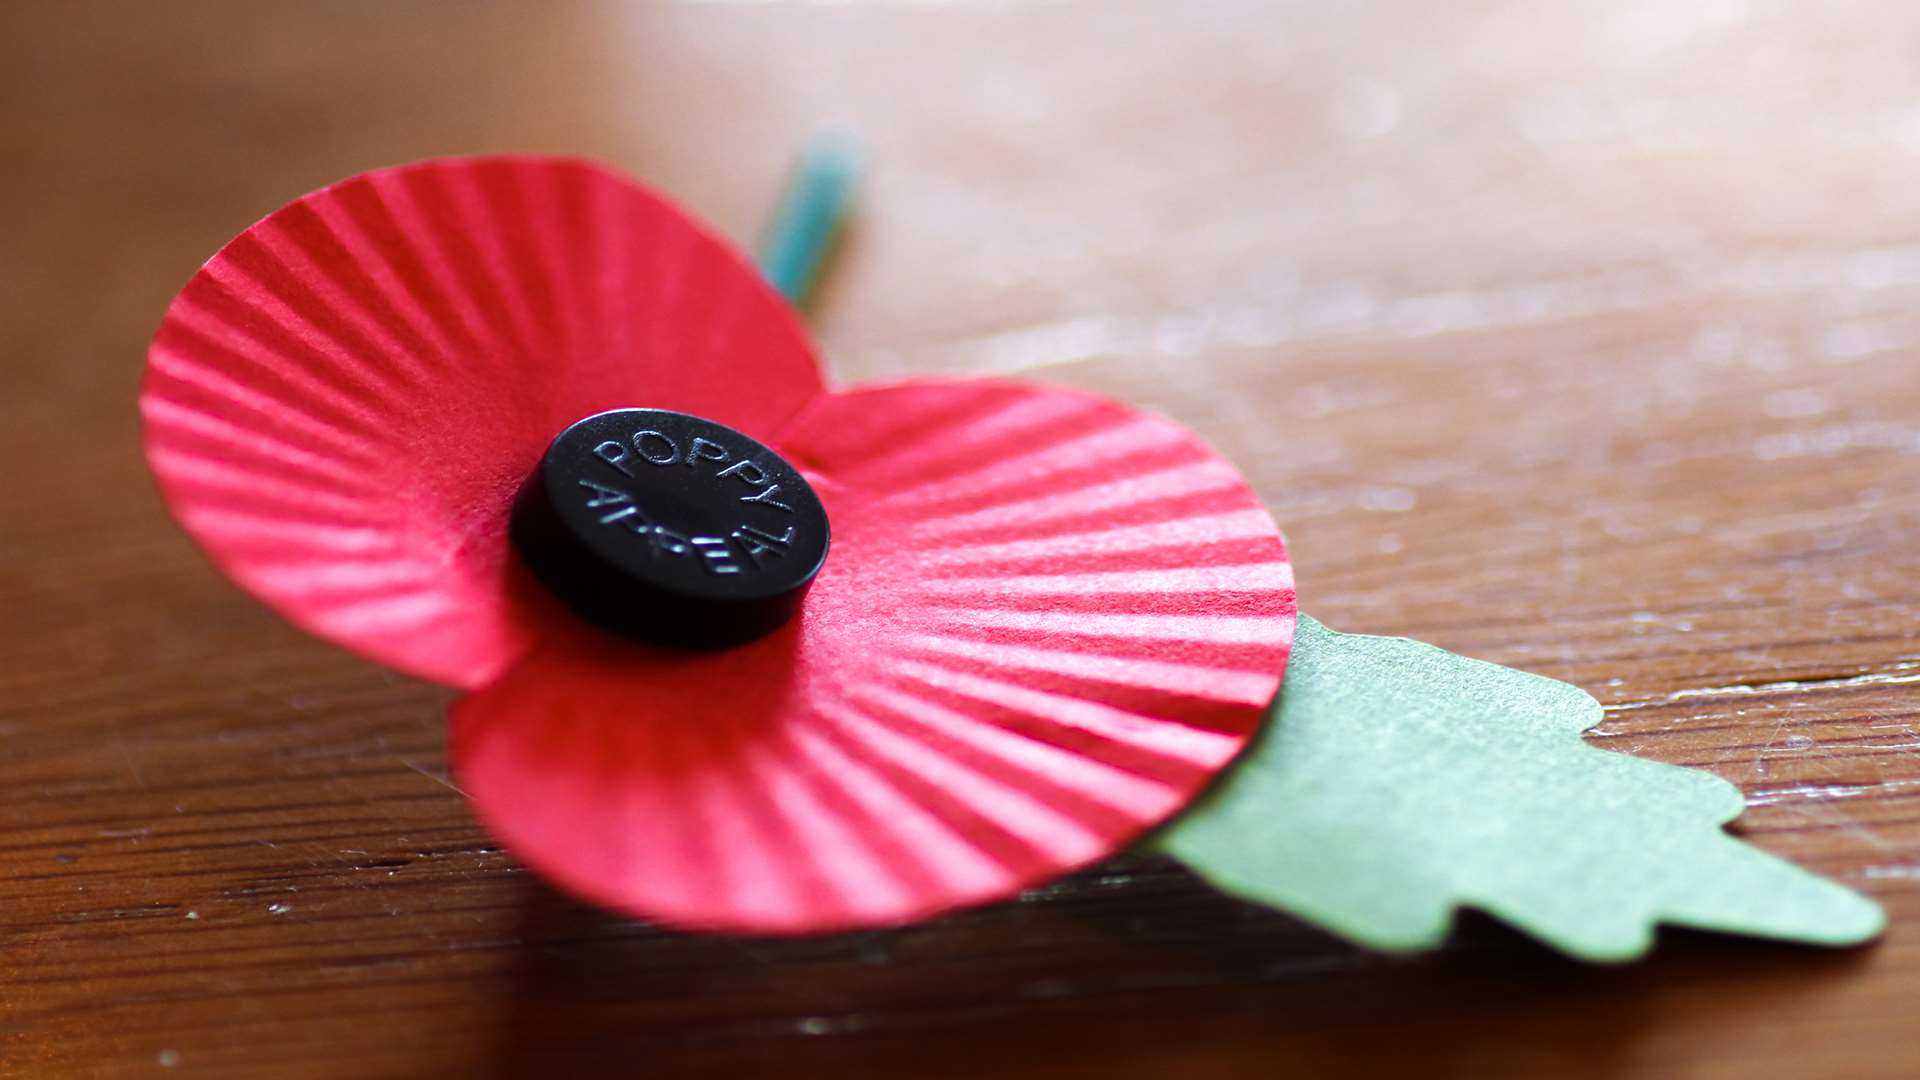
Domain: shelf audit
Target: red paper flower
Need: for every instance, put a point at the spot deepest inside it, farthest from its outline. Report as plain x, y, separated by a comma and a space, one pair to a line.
1046, 620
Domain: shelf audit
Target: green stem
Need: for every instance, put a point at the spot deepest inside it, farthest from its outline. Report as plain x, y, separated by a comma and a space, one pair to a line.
813, 207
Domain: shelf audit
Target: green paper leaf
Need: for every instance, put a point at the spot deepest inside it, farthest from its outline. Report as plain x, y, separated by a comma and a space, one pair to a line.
1398, 782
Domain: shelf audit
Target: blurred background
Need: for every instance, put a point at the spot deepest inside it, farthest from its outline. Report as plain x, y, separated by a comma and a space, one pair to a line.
1580, 337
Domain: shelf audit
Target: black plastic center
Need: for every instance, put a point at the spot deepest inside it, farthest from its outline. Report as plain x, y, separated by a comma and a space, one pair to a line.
670, 528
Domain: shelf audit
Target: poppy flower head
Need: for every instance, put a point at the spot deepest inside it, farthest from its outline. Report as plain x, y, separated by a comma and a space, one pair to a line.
1045, 621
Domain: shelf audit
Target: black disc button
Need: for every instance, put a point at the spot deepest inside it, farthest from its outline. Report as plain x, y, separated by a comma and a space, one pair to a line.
670, 528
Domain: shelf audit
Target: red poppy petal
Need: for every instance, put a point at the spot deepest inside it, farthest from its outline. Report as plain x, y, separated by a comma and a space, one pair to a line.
1046, 621
341, 404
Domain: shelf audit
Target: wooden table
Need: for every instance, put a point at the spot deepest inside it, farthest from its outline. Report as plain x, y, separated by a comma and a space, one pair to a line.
1585, 340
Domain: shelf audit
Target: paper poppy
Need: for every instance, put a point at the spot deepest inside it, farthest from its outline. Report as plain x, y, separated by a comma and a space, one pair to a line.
1045, 622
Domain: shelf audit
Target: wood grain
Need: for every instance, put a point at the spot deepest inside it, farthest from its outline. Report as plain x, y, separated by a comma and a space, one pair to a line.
1585, 340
